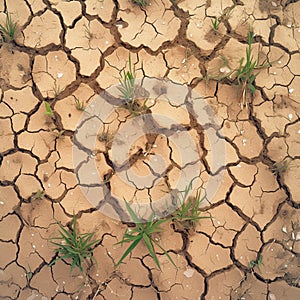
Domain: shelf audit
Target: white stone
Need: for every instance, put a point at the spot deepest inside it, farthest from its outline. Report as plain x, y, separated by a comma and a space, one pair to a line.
189, 273
272, 297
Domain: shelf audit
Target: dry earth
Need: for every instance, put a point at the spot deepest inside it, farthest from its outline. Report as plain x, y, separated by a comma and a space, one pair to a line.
79, 48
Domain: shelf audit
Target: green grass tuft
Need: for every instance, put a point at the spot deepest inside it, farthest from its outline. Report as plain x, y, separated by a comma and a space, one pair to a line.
74, 246
8, 29
143, 232
246, 72
188, 215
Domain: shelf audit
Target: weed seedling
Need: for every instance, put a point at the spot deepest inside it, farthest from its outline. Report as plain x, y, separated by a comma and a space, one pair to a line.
188, 215
29, 274
128, 91
257, 263
8, 29
79, 104
245, 73
127, 87
215, 22
74, 246
49, 111
143, 232
38, 195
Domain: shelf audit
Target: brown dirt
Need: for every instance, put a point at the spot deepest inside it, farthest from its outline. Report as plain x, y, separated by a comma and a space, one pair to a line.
67, 49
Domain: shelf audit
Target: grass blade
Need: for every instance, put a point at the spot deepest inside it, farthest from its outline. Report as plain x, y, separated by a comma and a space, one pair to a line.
128, 250
150, 248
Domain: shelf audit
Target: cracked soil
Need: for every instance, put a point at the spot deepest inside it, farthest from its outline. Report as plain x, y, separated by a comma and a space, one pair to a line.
67, 50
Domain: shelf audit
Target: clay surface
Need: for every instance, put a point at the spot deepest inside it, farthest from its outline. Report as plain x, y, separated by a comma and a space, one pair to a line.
66, 51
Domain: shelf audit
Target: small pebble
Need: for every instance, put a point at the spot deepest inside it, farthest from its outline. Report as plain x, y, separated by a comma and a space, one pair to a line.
280, 62
272, 297
291, 91
60, 75
284, 229
274, 4
1, 202
290, 116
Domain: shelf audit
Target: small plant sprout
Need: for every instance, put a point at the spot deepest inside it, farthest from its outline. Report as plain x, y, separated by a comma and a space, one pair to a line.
129, 90
39, 194
8, 29
127, 81
245, 73
143, 232
257, 263
74, 246
215, 22
29, 274
188, 215
49, 112
79, 104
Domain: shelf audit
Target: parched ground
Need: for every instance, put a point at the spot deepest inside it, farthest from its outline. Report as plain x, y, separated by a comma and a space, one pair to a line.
77, 49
